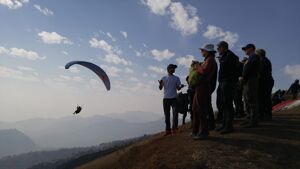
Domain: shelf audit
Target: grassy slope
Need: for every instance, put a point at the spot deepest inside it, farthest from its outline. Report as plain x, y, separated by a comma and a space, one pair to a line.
274, 144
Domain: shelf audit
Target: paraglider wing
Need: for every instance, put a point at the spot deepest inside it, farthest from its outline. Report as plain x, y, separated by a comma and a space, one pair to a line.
96, 69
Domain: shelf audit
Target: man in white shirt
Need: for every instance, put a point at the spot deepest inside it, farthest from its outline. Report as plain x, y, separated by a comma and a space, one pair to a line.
170, 83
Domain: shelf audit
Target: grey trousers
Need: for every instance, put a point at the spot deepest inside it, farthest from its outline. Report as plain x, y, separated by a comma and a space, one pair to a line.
250, 93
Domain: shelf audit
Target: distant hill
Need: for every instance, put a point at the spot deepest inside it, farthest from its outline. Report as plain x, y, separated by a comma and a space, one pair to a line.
137, 117
13, 141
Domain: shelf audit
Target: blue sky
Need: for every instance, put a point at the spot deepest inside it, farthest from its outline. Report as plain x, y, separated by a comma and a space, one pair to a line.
133, 41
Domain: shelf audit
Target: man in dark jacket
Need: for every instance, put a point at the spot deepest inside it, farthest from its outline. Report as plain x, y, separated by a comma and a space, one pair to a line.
228, 78
294, 89
250, 80
266, 83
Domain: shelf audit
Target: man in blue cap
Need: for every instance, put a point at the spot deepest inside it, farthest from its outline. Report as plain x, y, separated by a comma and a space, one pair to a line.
250, 80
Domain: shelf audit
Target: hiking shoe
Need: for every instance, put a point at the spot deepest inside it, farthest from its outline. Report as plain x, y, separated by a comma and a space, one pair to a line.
200, 136
174, 131
250, 125
226, 131
211, 127
245, 123
220, 128
168, 132
193, 135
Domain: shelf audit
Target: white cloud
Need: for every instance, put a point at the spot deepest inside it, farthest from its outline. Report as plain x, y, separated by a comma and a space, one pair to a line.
44, 11
111, 70
74, 69
293, 71
185, 61
6, 72
70, 78
214, 32
31, 55
118, 51
112, 55
113, 58
101, 44
128, 70
53, 38
124, 34
25, 68
13, 4
162, 55
3, 50
158, 7
157, 69
111, 37
183, 19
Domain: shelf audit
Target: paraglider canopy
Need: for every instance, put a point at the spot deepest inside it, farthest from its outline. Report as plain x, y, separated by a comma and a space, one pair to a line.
96, 69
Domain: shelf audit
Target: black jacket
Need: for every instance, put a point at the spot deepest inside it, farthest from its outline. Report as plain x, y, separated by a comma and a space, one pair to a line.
265, 69
229, 67
251, 68
295, 87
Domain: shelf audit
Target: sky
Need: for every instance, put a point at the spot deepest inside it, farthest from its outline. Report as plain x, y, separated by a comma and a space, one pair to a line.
133, 41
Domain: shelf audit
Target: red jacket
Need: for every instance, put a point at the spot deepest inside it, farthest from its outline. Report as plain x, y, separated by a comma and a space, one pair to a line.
209, 70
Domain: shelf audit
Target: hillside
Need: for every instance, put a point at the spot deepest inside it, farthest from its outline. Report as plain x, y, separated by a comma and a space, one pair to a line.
274, 144
14, 142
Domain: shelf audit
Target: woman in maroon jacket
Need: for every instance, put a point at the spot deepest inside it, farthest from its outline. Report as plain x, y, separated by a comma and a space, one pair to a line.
207, 71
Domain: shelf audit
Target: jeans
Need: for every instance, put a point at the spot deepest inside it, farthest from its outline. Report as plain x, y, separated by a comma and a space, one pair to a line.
167, 104
226, 99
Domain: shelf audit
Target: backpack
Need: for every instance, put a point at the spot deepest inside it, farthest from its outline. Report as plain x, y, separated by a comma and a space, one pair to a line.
194, 77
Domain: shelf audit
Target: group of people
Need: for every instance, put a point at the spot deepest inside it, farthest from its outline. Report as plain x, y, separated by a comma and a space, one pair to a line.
246, 83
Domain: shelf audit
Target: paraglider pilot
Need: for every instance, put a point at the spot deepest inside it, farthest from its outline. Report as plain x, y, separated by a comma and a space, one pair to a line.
78, 109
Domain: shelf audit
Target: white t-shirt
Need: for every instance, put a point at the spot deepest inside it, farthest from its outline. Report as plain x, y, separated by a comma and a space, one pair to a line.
170, 84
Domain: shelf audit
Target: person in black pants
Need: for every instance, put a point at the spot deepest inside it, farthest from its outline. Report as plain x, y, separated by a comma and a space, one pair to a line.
265, 85
170, 83
228, 78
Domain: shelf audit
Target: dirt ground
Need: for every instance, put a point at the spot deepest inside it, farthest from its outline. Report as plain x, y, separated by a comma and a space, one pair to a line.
273, 145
